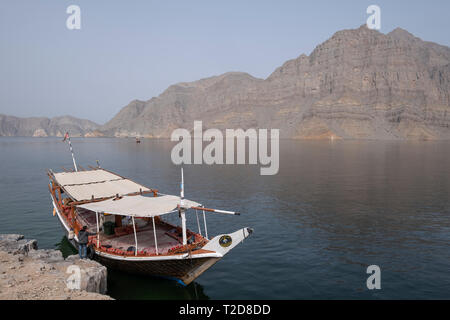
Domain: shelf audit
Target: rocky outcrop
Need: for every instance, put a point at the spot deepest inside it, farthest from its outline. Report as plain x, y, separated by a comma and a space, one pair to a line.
16, 244
359, 84
44, 127
29, 273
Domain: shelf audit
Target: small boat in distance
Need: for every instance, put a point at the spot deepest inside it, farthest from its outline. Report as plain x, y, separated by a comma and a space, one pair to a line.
129, 220
138, 140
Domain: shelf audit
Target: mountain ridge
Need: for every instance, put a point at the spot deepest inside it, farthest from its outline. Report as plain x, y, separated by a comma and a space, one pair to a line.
358, 84
44, 127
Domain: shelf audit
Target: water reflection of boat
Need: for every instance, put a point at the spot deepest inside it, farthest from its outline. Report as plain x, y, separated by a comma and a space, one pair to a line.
125, 286
132, 232
66, 247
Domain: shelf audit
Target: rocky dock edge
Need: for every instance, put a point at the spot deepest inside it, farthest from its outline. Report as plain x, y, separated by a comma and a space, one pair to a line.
27, 273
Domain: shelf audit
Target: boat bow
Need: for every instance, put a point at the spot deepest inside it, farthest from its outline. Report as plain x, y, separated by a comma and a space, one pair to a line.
223, 243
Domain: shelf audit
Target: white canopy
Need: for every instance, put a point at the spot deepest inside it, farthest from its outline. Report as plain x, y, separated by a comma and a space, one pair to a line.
139, 206
99, 183
84, 177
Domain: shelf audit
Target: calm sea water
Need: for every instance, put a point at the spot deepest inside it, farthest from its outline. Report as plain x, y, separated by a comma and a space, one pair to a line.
333, 209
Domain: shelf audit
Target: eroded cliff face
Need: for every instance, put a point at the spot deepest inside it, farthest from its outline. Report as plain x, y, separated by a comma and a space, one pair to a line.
217, 100
358, 84
364, 84
44, 127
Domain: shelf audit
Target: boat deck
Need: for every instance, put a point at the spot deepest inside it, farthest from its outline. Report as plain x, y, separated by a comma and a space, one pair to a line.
145, 240
167, 235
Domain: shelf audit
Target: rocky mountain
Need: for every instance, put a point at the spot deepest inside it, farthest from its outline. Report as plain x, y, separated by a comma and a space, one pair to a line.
359, 84
43, 127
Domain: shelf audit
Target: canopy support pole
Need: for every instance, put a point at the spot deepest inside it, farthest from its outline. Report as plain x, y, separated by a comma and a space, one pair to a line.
204, 220
198, 223
183, 227
98, 230
154, 232
181, 210
135, 237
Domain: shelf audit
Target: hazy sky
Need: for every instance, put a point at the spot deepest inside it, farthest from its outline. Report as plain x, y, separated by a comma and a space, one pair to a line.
130, 50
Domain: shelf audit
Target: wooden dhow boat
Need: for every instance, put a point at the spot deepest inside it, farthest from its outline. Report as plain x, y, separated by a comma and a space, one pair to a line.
129, 220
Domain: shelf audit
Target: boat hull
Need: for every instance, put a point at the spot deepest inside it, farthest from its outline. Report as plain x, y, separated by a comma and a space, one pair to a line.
180, 267
185, 270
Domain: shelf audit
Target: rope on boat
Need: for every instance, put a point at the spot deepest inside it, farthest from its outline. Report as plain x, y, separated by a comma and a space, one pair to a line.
206, 229
198, 223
